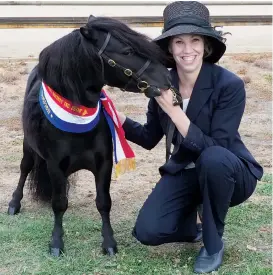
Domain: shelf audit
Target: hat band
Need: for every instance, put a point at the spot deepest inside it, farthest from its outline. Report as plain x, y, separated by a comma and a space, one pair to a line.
186, 20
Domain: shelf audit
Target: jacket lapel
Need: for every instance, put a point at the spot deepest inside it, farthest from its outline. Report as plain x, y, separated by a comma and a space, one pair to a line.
201, 91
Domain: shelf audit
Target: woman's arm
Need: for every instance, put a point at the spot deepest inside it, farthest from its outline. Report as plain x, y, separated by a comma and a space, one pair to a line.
225, 120
147, 135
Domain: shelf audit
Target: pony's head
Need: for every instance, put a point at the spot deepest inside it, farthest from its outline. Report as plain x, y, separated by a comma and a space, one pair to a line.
128, 60
104, 51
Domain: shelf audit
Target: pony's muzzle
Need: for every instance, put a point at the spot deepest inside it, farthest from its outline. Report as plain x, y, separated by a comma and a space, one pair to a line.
152, 92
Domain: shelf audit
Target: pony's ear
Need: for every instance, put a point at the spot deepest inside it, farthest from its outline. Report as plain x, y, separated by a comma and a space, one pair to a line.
91, 17
86, 32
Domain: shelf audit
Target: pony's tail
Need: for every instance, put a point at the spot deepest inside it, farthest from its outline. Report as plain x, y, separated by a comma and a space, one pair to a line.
39, 181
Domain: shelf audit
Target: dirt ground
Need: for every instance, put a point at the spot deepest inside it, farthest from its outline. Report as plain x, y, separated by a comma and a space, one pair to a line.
130, 190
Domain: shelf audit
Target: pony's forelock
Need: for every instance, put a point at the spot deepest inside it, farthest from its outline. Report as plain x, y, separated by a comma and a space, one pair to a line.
141, 43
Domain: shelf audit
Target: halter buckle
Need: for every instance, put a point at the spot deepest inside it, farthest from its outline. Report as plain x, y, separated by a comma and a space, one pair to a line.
128, 72
111, 63
175, 99
143, 85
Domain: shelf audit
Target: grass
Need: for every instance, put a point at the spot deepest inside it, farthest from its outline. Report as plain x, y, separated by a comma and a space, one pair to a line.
264, 63
8, 77
24, 238
268, 77
251, 58
242, 71
267, 178
264, 188
24, 245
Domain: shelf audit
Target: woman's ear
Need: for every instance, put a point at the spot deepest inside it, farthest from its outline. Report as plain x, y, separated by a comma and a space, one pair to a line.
170, 48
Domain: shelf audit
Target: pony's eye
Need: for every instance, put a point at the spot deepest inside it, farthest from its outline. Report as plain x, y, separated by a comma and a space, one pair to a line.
128, 51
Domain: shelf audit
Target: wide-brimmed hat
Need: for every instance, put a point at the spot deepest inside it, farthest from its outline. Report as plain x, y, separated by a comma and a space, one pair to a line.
190, 17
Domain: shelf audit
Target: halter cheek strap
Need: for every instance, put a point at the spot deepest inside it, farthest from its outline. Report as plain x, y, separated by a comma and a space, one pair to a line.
142, 85
100, 53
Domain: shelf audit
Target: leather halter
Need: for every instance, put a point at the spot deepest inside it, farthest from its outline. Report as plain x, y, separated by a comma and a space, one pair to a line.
141, 84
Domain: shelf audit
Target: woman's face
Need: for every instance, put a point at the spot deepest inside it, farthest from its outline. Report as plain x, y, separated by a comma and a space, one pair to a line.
187, 51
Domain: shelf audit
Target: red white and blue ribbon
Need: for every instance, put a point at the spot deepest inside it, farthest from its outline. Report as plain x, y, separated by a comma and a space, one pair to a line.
79, 119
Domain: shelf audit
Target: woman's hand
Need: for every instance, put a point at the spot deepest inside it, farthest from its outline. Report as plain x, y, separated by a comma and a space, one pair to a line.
176, 114
165, 101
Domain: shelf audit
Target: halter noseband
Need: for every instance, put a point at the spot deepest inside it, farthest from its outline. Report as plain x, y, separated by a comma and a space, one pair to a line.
141, 84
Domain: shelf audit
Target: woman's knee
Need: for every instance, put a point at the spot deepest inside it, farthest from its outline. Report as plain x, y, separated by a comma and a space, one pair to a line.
213, 158
152, 229
215, 166
146, 232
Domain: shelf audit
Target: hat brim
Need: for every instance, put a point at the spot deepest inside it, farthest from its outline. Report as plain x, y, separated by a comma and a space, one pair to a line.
218, 47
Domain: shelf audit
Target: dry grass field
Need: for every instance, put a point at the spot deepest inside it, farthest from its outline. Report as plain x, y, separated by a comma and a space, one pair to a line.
23, 239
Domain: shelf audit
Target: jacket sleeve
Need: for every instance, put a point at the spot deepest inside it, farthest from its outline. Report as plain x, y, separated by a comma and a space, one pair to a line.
226, 119
147, 135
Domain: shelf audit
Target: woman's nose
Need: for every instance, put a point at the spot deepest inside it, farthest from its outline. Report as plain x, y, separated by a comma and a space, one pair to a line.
187, 48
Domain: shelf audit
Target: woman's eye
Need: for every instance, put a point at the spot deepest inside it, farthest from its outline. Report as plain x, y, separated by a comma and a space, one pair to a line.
178, 42
195, 40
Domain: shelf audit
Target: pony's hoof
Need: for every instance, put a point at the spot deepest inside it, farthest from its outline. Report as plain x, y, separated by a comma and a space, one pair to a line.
13, 210
110, 251
56, 252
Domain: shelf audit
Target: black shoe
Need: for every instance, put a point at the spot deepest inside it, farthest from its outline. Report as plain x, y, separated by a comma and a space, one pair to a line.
205, 263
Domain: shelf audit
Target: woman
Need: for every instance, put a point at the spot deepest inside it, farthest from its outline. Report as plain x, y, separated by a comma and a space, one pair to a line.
210, 164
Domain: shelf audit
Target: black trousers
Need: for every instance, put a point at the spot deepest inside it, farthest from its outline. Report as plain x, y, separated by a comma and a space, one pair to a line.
220, 180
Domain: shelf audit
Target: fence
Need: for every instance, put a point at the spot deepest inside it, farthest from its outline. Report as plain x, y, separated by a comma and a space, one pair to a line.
134, 21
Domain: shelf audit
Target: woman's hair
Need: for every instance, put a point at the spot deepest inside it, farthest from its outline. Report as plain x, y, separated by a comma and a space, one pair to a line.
207, 47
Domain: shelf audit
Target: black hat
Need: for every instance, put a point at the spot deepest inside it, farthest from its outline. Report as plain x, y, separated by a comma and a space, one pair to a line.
190, 17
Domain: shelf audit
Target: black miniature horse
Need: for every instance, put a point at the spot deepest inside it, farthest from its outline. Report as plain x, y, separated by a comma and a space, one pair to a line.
77, 66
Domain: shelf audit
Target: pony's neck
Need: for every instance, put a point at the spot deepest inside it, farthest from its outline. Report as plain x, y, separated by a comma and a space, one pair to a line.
88, 97
91, 97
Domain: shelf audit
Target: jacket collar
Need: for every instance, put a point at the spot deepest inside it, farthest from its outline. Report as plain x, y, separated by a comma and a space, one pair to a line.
201, 91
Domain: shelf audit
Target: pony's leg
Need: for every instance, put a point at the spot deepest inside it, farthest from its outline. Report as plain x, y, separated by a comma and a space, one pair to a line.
26, 165
59, 206
104, 203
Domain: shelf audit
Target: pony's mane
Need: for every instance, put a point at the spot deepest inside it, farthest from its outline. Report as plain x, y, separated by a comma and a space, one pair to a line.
66, 64
139, 42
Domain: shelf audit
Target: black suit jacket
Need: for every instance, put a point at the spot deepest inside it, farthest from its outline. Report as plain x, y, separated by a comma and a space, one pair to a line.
215, 110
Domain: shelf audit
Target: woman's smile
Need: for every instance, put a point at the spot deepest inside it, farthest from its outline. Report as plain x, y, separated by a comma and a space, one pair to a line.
189, 59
